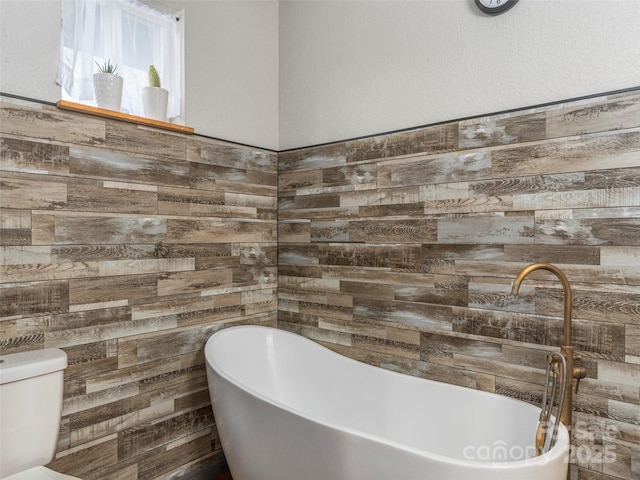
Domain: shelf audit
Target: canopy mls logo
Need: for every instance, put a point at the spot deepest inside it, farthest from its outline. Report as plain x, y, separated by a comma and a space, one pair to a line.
499, 451
593, 449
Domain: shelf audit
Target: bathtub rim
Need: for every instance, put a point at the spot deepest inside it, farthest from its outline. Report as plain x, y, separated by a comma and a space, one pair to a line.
561, 449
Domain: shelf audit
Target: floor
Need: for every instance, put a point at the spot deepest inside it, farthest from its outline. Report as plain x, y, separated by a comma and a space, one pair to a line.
224, 476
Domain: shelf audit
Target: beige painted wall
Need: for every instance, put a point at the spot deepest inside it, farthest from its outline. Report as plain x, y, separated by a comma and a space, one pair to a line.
29, 34
231, 63
296, 73
350, 68
232, 70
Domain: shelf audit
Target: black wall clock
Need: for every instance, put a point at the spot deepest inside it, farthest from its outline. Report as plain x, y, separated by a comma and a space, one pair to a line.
495, 7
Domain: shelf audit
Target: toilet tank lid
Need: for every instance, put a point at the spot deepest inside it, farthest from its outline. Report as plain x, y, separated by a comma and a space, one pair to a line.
19, 366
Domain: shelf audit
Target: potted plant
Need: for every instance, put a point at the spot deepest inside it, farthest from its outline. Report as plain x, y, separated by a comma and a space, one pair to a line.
154, 97
107, 86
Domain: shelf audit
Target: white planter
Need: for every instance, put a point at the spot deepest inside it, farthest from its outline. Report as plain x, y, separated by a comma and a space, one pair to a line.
154, 101
108, 90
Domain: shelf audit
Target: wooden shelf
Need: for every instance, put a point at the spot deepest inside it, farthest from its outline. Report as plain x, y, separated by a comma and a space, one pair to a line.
125, 117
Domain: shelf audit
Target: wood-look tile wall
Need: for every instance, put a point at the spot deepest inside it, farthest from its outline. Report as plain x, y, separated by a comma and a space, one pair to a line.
400, 251
128, 247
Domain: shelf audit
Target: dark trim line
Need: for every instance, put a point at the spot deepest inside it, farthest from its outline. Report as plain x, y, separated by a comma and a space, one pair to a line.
234, 141
27, 99
390, 132
53, 104
462, 119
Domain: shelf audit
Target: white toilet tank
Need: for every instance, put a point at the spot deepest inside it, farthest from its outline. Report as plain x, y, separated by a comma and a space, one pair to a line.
31, 386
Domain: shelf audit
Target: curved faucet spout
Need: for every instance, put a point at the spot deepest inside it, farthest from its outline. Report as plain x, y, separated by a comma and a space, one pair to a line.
566, 348
515, 288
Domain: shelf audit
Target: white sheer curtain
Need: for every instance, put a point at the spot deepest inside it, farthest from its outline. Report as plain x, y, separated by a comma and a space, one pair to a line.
127, 33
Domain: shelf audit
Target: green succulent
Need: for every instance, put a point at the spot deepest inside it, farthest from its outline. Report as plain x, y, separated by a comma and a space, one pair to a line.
154, 78
106, 67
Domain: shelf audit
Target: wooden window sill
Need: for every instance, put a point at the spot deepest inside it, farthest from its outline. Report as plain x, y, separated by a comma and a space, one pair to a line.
125, 117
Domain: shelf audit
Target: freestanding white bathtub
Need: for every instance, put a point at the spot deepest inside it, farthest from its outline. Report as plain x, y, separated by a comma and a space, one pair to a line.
288, 408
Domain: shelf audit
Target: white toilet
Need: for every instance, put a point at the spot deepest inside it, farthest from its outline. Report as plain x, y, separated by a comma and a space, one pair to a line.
30, 411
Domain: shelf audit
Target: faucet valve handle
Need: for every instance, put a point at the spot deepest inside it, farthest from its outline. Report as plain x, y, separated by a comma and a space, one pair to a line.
579, 373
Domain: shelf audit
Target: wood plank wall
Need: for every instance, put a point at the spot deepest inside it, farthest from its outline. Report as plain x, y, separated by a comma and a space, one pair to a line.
400, 250
128, 247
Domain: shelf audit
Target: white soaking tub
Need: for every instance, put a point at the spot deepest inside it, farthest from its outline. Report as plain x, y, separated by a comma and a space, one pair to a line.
287, 408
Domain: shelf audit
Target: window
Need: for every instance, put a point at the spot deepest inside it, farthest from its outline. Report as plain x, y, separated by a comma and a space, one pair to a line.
127, 33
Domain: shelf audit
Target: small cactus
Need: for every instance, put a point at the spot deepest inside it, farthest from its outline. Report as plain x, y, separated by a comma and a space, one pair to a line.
154, 78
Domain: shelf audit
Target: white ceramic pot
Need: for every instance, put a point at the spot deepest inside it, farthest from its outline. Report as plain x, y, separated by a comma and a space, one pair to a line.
108, 90
154, 101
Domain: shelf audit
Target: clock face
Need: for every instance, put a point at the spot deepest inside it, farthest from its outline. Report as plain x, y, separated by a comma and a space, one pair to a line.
494, 7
